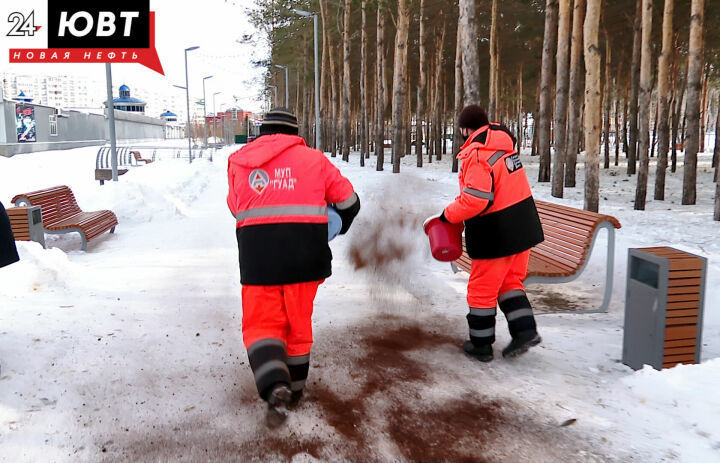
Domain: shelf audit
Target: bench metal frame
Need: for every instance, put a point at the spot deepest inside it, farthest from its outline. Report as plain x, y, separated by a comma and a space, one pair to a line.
125, 158
609, 275
71, 230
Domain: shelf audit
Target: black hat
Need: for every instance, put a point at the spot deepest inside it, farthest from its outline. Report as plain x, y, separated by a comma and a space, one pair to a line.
472, 117
279, 120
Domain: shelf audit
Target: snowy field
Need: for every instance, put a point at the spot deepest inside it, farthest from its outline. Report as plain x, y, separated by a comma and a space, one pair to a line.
132, 350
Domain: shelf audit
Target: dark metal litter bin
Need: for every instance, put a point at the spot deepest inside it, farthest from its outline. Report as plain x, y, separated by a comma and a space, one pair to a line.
663, 307
26, 224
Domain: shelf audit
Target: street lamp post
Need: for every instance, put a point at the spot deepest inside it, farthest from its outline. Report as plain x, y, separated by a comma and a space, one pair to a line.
187, 97
222, 124
287, 80
111, 123
317, 75
205, 110
215, 117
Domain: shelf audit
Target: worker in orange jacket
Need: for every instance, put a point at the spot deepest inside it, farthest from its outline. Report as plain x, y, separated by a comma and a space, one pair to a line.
501, 225
279, 194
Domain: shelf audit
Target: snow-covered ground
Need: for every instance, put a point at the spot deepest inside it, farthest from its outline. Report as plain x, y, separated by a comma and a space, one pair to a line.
132, 350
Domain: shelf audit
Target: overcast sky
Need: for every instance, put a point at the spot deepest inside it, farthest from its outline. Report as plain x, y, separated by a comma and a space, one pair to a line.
214, 25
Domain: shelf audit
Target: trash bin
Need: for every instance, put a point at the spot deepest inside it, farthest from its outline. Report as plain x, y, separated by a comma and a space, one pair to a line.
26, 224
663, 308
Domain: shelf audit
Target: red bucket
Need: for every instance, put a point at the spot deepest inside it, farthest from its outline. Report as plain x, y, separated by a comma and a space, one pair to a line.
445, 239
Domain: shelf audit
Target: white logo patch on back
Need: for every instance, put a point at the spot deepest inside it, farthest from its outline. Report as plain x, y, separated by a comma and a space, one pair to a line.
259, 180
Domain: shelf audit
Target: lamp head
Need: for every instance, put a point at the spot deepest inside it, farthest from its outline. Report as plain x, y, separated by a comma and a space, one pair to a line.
303, 13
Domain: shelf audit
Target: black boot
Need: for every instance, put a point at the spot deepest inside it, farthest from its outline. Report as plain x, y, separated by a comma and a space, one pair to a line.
483, 352
295, 398
278, 401
521, 323
520, 344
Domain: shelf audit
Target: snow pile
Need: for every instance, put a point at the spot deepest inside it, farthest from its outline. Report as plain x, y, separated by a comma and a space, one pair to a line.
685, 395
159, 191
38, 270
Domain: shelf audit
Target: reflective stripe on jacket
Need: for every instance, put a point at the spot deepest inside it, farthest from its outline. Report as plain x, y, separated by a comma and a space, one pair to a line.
495, 199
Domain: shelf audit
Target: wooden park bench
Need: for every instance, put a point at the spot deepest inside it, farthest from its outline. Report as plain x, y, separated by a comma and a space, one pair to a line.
138, 157
569, 239
61, 214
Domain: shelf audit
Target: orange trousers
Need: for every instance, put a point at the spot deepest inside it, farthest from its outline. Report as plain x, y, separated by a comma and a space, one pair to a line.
490, 278
281, 312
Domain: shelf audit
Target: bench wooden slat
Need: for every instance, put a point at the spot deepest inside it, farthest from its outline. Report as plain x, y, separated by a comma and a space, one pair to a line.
564, 254
560, 260
570, 242
574, 236
550, 213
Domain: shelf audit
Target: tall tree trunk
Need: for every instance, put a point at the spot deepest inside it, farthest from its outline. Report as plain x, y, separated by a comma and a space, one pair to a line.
592, 105
458, 95
324, 90
561, 98
606, 100
617, 123
703, 106
663, 101
345, 123
438, 92
543, 126
333, 103
644, 114
695, 67
492, 104
497, 78
635, 90
576, 94
625, 120
677, 113
363, 86
716, 151
399, 79
380, 90
716, 215
519, 109
654, 133
467, 23
430, 111
419, 118
407, 112
716, 163
444, 116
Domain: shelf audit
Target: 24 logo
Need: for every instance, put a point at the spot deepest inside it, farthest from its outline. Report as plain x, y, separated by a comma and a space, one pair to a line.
22, 26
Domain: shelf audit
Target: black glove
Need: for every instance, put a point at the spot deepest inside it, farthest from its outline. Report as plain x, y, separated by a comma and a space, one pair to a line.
348, 214
443, 218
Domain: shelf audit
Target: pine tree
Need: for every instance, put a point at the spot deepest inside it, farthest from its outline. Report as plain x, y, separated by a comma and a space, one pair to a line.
592, 105
644, 110
695, 68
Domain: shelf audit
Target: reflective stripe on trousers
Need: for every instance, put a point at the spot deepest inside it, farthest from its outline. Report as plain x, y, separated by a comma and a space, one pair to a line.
481, 325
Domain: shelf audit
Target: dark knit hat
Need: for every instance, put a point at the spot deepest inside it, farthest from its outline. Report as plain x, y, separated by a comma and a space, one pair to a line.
279, 120
472, 117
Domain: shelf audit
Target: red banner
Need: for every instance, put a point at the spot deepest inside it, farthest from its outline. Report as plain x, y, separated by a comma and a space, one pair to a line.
148, 57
